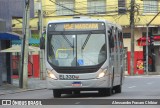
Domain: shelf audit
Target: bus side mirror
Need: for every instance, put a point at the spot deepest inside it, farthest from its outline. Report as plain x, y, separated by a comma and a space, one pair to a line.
42, 43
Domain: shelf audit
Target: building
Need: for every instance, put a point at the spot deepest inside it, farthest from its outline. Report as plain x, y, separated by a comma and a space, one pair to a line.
9, 9
5, 58
117, 11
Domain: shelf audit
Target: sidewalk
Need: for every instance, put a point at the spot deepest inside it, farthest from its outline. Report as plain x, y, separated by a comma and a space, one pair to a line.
149, 73
33, 84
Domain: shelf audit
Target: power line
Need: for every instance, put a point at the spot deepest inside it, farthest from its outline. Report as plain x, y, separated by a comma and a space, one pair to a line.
65, 7
79, 13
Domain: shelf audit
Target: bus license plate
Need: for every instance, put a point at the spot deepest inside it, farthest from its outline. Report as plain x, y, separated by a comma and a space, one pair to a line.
68, 77
76, 84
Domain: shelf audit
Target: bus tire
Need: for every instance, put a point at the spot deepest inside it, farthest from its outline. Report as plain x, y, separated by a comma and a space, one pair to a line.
118, 89
105, 92
102, 92
109, 92
56, 93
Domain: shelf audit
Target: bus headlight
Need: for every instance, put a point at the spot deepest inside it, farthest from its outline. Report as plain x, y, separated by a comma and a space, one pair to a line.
51, 75
102, 74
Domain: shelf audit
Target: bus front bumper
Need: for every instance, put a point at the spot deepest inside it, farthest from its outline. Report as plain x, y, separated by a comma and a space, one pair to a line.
78, 84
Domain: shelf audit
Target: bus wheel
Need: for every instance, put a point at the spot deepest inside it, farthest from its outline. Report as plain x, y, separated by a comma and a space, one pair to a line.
118, 89
56, 93
105, 92
109, 92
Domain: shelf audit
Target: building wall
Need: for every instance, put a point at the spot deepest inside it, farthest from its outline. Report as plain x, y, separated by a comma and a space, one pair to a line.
13, 8
16, 8
4, 13
138, 62
141, 19
8, 10
138, 34
33, 65
5, 62
157, 58
3, 72
2, 26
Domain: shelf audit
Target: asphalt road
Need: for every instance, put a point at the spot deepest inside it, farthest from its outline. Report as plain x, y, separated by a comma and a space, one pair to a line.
136, 87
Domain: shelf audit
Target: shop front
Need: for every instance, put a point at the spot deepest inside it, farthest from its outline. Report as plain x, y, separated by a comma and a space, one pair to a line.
153, 53
5, 58
138, 62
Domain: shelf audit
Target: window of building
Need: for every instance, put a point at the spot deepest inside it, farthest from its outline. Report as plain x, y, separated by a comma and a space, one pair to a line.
65, 7
150, 6
121, 6
126, 35
96, 6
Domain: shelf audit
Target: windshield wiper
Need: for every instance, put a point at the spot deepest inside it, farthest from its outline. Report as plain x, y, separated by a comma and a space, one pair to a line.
70, 44
86, 41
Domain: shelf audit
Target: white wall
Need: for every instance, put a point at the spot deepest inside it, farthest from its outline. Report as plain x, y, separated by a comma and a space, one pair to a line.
137, 35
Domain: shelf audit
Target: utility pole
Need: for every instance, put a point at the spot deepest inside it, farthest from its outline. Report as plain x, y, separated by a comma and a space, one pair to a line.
40, 24
23, 81
132, 36
147, 51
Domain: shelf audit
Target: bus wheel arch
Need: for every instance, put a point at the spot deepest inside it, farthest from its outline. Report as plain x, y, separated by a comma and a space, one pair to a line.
118, 88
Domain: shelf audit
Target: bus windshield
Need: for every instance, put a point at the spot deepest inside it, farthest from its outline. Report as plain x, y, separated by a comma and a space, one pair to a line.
76, 48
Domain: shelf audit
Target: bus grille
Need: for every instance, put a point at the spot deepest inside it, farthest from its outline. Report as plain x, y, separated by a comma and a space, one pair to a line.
76, 70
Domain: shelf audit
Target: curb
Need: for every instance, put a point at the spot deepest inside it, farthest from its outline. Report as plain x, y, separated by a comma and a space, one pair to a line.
140, 76
25, 90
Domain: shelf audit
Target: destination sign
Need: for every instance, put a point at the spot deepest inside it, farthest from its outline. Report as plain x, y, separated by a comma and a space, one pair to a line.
76, 26
81, 26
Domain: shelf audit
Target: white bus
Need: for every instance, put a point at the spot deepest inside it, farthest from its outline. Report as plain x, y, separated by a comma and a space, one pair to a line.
83, 54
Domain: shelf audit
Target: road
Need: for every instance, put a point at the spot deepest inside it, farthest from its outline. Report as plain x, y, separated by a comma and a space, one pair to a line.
134, 87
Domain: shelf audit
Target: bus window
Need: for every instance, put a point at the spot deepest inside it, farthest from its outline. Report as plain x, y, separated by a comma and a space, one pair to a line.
82, 47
